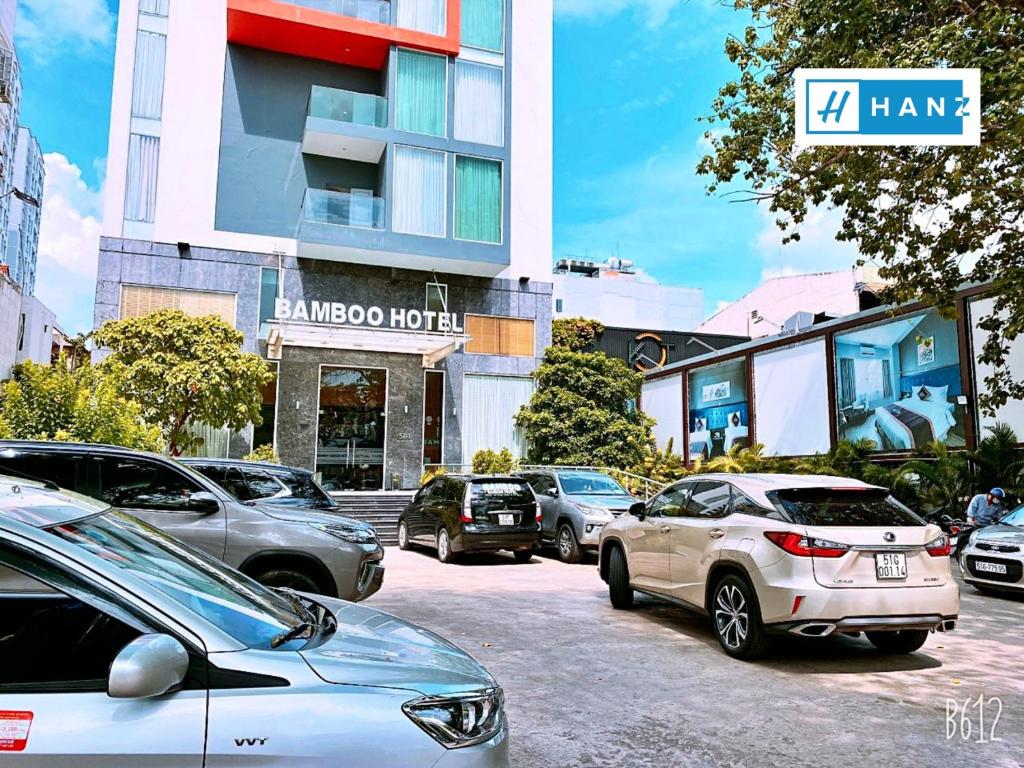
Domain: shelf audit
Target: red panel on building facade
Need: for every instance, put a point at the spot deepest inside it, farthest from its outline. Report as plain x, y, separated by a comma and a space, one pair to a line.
275, 25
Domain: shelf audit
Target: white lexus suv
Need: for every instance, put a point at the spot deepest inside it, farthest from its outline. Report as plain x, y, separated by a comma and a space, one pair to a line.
800, 554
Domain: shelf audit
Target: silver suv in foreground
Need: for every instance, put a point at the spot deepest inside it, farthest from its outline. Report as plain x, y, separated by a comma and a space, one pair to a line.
122, 646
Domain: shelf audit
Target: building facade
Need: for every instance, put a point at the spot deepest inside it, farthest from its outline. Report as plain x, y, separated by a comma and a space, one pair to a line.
25, 211
10, 108
363, 188
614, 293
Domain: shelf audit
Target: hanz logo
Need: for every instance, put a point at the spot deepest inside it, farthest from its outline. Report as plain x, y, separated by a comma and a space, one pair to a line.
888, 107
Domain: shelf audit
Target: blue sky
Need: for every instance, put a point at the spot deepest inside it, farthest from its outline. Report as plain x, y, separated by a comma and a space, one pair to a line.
631, 77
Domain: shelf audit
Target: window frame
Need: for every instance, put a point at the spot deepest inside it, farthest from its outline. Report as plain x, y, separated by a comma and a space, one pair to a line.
685, 487
161, 470
440, 292
533, 346
501, 102
398, 93
504, 35
444, 193
688, 512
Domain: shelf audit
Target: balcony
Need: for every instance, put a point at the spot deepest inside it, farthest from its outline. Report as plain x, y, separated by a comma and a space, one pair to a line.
345, 124
342, 209
354, 32
377, 11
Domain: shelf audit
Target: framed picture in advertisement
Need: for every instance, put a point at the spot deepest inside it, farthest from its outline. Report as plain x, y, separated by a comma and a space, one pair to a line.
925, 350
718, 391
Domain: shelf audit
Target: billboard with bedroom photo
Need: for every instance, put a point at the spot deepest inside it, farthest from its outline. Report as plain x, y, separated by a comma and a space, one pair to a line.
899, 385
719, 415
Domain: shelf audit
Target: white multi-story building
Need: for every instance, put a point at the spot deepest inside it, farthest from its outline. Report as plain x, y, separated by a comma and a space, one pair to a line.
363, 188
615, 294
25, 211
10, 105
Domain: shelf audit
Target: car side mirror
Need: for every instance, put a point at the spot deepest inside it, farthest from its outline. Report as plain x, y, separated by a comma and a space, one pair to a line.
148, 666
204, 502
638, 510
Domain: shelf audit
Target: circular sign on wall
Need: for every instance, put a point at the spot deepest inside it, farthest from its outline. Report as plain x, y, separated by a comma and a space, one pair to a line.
648, 351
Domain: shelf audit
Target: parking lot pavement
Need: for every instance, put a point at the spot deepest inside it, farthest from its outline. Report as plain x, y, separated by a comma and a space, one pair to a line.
588, 685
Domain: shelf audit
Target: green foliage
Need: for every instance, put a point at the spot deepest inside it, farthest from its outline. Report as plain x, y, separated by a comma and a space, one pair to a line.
265, 453
575, 333
44, 402
431, 473
580, 413
488, 462
943, 479
938, 204
184, 369
998, 461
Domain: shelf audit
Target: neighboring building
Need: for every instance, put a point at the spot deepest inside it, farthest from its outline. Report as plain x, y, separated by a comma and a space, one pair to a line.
793, 302
10, 105
10, 322
615, 294
363, 189
25, 211
38, 332
901, 377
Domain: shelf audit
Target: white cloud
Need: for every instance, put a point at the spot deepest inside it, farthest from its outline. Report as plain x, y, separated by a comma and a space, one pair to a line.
46, 28
817, 250
654, 12
68, 244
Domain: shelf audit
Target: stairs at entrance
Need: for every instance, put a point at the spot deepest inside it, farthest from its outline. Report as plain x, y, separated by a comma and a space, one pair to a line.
381, 510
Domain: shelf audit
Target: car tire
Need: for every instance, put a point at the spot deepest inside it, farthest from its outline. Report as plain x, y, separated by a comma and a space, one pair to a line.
523, 555
403, 536
444, 546
736, 619
619, 591
903, 641
568, 547
288, 579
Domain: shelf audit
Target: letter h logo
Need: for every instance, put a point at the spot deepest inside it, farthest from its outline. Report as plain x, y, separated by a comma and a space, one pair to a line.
833, 106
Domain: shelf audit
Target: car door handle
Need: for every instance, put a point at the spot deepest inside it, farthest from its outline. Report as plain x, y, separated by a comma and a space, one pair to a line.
716, 533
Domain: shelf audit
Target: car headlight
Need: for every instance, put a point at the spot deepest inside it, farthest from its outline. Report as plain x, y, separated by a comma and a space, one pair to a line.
594, 514
355, 534
459, 721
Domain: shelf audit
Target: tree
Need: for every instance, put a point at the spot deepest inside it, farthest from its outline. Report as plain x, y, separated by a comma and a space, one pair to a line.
931, 217
488, 462
43, 402
581, 412
182, 370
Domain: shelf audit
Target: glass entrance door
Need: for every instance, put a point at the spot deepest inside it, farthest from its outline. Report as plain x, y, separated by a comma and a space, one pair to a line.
351, 428
433, 417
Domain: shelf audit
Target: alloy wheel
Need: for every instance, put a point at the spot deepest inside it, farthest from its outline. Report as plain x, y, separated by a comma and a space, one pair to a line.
732, 616
403, 535
565, 543
442, 544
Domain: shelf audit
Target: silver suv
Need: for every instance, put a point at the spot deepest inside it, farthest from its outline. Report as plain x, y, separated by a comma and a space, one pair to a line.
122, 646
280, 545
576, 506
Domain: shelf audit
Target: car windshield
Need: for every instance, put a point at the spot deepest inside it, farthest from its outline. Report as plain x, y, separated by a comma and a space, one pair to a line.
249, 612
590, 484
843, 507
1015, 518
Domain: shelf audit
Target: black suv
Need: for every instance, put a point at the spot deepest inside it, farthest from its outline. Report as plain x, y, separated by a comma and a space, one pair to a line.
469, 513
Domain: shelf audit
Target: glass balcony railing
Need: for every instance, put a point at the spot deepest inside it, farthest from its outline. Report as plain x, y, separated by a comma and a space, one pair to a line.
345, 209
378, 11
348, 106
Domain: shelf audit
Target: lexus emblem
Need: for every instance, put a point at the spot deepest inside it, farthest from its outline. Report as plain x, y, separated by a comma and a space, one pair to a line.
889, 536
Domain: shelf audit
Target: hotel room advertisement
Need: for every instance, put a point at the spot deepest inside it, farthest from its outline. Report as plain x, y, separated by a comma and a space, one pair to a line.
719, 412
899, 384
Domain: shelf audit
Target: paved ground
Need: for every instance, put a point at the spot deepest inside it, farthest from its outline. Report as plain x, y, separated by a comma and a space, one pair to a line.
591, 686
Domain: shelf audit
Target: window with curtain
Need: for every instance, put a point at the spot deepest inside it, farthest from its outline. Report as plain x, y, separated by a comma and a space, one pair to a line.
148, 85
489, 335
479, 103
154, 7
421, 101
422, 15
140, 191
483, 24
142, 300
478, 199
419, 192
489, 408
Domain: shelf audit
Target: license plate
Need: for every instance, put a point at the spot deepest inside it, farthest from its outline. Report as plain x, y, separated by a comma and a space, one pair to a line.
990, 567
891, 565
506, 519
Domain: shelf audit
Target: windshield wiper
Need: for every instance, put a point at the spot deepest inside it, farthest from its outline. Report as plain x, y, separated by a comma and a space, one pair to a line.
291, 634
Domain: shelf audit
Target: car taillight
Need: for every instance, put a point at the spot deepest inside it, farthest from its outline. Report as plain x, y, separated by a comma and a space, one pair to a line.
954, 530
806, 546
467, 511
940, 547
539, 516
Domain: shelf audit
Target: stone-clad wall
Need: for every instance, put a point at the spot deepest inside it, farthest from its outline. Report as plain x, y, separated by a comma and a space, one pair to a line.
159, 264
